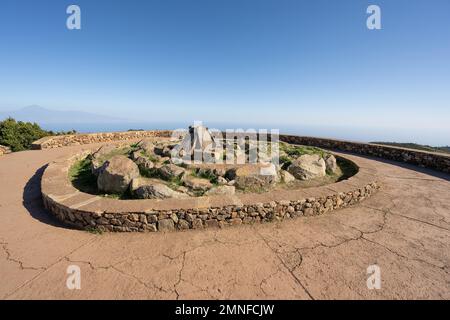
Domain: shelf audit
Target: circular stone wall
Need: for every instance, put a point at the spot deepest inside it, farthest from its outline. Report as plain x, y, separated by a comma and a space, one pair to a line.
90, 212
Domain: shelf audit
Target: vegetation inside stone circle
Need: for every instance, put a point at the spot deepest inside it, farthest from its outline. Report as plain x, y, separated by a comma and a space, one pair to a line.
81, 176
208, 175
297, 151
150, 157
124, 151
285, 162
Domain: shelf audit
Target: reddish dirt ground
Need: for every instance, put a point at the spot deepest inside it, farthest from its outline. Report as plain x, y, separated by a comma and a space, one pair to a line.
404, 229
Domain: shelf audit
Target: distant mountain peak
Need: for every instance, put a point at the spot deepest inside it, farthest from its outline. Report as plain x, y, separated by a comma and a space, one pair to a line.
42, 115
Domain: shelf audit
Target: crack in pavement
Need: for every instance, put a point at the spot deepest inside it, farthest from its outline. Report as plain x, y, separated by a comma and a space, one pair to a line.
180, 273
284, 264
267, 278
48, 267
362, 237
149, 286
443, 268
19, 262
415, 178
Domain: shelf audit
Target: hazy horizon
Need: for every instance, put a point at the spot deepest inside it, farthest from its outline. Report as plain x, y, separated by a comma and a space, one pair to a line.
354, 133
304, 67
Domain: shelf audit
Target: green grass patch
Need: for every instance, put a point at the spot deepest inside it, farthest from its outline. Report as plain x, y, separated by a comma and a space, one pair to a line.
82, 178
297, 151
208, 175
285, 162
149, 156
94, 230
125, 151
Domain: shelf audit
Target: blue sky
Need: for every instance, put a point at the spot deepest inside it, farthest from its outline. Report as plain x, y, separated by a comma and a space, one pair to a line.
277, 63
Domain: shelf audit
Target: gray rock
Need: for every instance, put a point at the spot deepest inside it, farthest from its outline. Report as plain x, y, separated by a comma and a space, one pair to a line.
222, 181
221, 190
103, 150
166, 225
97, 167
136, 154
149, 189
331, 165
197, 184
255, 176
219, 172
144, 163
286, 176
308, 167
97, 158
4, 150
170, 171
117, 174
183, 224
163, 150
147, 146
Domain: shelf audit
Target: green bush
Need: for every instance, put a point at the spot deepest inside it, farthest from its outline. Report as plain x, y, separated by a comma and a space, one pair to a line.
20, 135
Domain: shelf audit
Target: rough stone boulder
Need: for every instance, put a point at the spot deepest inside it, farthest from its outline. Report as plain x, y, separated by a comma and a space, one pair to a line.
308, 167
170, 171
197, 184
163, 150
144, 163
4, 150
97, 158
331, 164
286, 176
104, 150
116, 175
255, 176
144, 188
221, 190
147, 146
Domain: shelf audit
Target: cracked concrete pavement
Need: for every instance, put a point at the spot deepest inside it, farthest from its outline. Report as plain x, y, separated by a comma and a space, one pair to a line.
404, 229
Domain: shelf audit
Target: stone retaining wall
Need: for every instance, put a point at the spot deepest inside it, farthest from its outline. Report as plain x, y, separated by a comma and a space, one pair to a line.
4, 150
85, 211
88, 138
436, 161
170, 220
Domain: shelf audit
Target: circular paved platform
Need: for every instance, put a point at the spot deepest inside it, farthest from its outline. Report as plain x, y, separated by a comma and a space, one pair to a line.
404, 229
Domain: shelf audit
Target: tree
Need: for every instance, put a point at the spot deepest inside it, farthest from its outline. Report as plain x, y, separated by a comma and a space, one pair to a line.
20, 135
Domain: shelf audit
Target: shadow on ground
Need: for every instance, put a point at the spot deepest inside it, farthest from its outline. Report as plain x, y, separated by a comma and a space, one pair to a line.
32, 200
412, 167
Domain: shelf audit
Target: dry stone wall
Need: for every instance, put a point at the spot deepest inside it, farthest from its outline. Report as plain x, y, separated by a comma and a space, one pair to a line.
199, 218
85, 211
436, 161
88, 138
4, 150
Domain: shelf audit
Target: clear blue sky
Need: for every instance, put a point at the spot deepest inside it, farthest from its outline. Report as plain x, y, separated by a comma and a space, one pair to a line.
262, 62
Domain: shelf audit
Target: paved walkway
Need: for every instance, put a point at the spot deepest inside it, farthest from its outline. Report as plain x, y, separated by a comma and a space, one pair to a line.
404, 229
